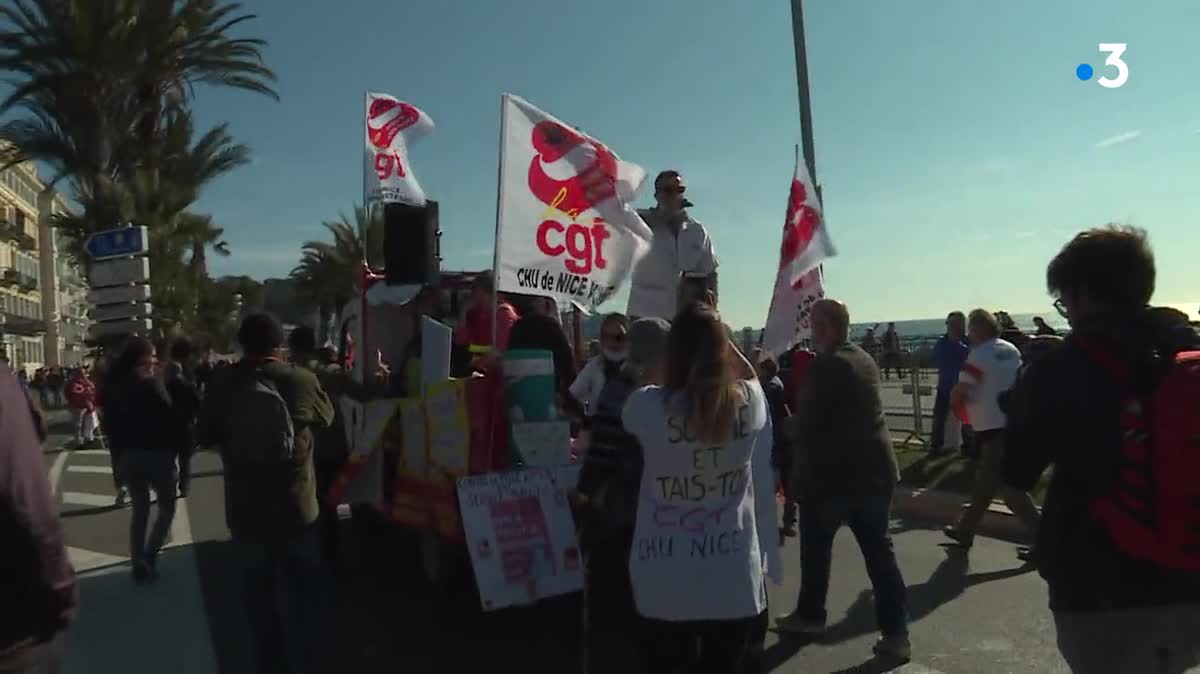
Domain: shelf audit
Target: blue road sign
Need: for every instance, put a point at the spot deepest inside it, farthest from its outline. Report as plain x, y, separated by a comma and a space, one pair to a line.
117, 243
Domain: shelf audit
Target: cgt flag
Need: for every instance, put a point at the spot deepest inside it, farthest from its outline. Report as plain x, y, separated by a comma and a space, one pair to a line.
391, 125
799, 283
565, 227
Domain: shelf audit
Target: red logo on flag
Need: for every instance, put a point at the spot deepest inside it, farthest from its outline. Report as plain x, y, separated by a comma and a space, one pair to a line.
387, 118
597, 182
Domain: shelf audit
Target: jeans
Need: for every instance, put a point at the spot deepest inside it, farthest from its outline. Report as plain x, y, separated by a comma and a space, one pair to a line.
1161, 640
703, 646
867, 514
988, 483
39, 658
284, 602
943, 421
143, 470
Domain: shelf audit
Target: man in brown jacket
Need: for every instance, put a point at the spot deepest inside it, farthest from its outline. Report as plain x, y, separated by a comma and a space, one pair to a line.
844, 473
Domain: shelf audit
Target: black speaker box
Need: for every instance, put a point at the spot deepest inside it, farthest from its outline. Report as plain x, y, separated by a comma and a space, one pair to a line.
411, 248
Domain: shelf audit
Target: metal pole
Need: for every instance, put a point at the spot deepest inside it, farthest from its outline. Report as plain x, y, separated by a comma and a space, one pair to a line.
806, 126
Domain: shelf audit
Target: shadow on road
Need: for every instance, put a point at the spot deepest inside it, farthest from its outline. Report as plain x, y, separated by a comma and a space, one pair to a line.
947, 582
386, 618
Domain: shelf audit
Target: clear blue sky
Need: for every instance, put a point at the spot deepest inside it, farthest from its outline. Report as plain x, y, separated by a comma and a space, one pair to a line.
956, 147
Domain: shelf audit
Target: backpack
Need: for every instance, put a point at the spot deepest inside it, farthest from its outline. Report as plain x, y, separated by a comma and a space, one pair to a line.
259, 426
1152, 512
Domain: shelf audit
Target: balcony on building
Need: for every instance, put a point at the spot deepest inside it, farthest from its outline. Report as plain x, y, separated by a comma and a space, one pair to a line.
9, 231
9, 278
27, 241
27, 281
15, 324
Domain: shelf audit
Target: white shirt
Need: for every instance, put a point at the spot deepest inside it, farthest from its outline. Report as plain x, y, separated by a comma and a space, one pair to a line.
991, 369
654, 287
589, 382
698, 552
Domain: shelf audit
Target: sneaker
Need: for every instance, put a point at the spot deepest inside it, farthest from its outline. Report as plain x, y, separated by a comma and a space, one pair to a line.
1027, 555
963, 540
788, 530
794, 623
896, 646
122, 497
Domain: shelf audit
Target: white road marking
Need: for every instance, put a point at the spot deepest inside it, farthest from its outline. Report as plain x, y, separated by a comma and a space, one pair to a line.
56, 470
84, 560
181, 526
90, 452
83, 499
100, 470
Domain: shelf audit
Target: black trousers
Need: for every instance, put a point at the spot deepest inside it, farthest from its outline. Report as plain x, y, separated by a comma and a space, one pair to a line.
703, 646
328, 523
609, 615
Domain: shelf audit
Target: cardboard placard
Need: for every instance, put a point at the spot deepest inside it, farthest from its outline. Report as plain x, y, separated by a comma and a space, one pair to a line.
449, 432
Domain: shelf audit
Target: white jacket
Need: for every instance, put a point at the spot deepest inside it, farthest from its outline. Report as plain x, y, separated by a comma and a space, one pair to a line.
655, 285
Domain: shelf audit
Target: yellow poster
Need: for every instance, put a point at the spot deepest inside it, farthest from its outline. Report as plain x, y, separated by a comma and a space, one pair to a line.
447, 427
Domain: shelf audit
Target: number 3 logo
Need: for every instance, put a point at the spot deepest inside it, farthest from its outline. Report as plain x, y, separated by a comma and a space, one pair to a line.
1114, 51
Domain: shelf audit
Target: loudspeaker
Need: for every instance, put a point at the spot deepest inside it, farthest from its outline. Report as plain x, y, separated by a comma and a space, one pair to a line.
411, 244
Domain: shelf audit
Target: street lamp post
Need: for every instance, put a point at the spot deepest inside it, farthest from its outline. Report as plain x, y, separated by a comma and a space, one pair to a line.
806, 125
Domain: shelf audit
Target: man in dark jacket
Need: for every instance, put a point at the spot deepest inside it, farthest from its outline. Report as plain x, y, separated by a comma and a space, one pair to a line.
845, 472
185, 397
271, 506
38, 590
1113, 613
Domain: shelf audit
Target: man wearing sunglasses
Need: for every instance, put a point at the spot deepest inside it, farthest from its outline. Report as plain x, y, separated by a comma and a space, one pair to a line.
681, 261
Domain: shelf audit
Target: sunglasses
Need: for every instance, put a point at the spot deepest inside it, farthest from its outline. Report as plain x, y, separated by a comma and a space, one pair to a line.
672, 190
1061, 308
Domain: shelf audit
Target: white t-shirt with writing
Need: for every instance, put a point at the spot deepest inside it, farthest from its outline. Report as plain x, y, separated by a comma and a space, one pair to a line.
991, 369
700, 551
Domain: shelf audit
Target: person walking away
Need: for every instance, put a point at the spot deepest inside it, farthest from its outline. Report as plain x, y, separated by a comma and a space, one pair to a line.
870, 344
330, 449
587, 386
698, 580
39, 592
680, 250
607, 498
948, 355
781, 454
262, 413
145, 431
990, 370
893, 357
54, 386
185, 395
1117, 546
1043, 328
845, 471
81, 399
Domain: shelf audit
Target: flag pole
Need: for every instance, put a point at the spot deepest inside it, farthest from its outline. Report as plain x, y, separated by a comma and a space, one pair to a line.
496, 239
806, 124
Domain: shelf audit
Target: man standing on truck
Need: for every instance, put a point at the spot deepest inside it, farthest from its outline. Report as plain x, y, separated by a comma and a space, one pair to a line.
681, 260
475, 325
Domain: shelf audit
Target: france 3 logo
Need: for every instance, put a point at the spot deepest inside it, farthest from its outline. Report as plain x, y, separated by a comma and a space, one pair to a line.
1115, 51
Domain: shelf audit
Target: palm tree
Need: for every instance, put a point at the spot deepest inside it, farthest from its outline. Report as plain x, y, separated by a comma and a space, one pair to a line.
327, 271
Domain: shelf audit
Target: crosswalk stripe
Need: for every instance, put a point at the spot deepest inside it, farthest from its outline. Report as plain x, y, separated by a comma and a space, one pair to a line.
181, 526
84, 560
90, 452
84, 499
101, 470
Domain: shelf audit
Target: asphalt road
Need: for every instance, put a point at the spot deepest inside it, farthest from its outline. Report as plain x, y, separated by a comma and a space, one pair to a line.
981, 614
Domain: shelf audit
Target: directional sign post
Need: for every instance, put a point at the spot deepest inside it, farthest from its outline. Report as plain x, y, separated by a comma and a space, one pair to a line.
123, 242
120, 282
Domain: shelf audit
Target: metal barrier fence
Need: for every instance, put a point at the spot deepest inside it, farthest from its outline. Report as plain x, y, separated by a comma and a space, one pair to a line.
908, 405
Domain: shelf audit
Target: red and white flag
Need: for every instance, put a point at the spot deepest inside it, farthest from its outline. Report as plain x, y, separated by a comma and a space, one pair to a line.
799, 282
391, 125
566, 226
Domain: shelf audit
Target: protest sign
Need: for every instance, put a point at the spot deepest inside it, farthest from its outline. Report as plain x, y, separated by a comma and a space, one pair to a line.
565, 226
391, 125
520, 535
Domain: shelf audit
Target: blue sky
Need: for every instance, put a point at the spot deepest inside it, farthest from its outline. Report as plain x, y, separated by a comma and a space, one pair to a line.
956, 148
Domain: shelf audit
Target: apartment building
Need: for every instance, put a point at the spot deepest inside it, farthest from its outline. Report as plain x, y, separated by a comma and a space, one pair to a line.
32, 277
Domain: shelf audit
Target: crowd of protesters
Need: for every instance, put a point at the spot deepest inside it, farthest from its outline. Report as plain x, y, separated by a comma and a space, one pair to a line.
687, 443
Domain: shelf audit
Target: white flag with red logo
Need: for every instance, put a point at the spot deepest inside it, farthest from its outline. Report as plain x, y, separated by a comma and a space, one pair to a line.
799, 282
391, 126
566, 226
